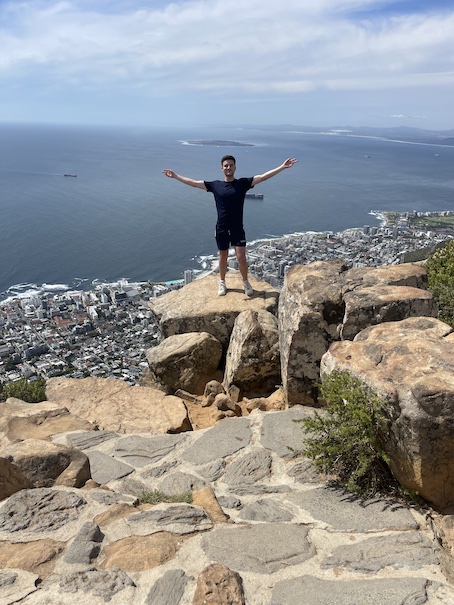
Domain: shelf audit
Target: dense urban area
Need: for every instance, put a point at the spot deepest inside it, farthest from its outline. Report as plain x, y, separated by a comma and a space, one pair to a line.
107, 331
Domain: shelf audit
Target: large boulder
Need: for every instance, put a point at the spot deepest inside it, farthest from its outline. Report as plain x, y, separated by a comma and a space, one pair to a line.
12, 479
46, 464
325, 302
20, 420
378, 304
184, 361
411, 364
113, 405
197, 307
310, 314
253, 360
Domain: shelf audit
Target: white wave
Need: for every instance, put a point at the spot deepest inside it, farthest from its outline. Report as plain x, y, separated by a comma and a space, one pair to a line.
55, 287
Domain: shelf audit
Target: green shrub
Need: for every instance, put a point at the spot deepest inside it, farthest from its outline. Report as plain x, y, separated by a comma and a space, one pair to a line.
440, 273
343, 440
30, 392
155, 497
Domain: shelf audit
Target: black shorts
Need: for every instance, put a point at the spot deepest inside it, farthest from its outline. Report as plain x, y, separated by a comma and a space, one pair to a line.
230, 236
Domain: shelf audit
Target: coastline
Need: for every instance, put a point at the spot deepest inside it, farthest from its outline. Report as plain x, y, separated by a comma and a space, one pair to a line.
208, 264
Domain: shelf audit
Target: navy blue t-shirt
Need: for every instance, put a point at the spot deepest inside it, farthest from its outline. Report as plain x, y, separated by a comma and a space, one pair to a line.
229, 197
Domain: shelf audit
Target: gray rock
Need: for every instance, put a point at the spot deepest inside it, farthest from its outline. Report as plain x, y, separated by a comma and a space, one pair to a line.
86, 545
346, 512
263, 548
81, 553
230, 502
250, 489
405, 591
140, 451
179, 483
266, 511
106, 497
105, 468
280, 432
410, 550
304, 471
175, 518
84, 441
224, 439
38, 510
213, 470
169, 589
105, 584
250, 468
158, 471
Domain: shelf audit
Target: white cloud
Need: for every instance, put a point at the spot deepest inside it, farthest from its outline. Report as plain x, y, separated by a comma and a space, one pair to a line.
230, 48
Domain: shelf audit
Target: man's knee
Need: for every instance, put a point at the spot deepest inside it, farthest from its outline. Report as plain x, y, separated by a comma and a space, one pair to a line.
240, 254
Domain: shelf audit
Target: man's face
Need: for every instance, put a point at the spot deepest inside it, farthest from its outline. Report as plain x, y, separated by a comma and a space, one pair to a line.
228, 168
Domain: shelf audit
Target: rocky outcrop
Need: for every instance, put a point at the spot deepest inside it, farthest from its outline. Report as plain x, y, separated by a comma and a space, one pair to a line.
19, 420
198, 308
114, 405
12, 479
262, 527
411, 364
324, 302
184, 361
45, 464
253, 361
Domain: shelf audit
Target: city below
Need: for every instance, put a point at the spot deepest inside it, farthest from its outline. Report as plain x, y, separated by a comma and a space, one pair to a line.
106, 332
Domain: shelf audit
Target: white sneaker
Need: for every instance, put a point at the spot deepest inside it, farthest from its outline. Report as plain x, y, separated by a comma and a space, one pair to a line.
248, 288
222, 289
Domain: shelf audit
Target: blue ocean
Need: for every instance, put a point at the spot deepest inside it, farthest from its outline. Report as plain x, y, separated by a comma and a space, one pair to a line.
121, 218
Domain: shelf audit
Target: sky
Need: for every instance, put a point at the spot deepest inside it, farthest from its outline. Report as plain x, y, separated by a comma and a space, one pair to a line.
375, 63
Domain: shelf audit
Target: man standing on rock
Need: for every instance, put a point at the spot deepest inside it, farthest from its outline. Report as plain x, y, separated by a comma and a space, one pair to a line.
229, 195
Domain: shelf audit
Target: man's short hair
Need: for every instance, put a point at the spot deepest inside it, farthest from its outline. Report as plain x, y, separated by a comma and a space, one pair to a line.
228, 157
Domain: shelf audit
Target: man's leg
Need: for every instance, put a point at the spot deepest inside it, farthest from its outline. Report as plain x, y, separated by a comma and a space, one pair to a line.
241, 256
223, 258
242, 262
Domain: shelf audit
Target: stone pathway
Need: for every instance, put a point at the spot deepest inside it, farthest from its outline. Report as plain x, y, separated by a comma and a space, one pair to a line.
262, 529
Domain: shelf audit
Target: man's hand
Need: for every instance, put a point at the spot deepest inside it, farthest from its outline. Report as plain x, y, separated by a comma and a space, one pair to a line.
169, 173
289, 163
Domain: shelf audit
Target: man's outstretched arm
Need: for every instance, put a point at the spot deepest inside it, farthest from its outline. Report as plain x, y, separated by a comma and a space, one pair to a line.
259, 178
184, 179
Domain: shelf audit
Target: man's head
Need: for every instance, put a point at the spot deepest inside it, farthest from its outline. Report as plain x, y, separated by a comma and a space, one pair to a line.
228, 165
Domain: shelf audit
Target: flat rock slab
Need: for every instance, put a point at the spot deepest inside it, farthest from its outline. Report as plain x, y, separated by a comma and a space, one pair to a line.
175, 518
266, 511
264, 548
345, 512
224, 439
198, 308
87, 440
39, 510
104, 584
411, 591
169, 589
252, 467
281, 433
140, 451
105, 468
409, 550
114, 405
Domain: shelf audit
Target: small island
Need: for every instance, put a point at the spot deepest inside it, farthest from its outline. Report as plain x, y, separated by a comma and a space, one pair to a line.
217, 143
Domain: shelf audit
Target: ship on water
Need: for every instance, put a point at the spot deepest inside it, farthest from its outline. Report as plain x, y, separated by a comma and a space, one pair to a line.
255, 196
